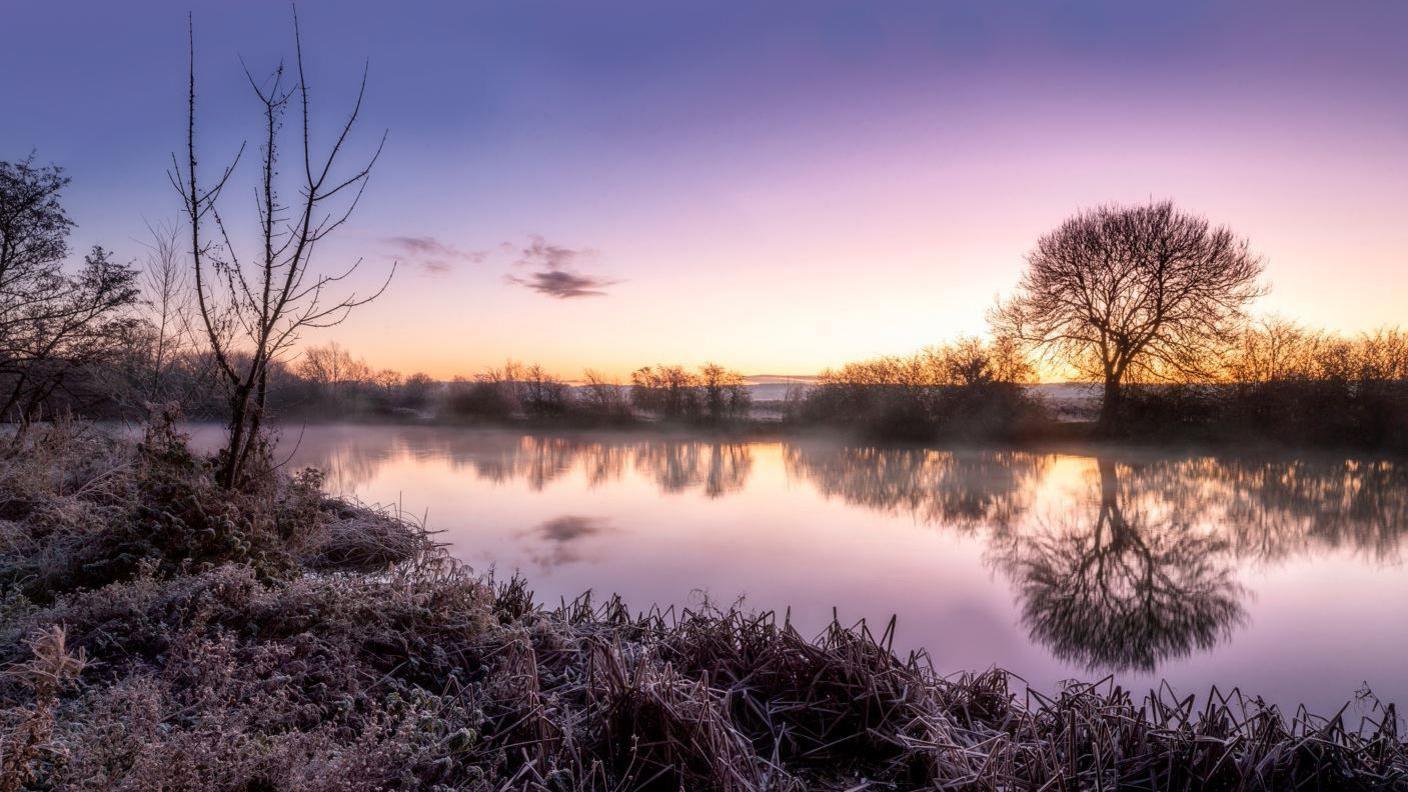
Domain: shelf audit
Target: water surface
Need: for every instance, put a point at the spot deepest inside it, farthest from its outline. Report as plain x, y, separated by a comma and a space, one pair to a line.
1283, 575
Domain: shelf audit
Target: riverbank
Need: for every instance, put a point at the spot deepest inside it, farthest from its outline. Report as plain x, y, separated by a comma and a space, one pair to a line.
160, 634
1338, 415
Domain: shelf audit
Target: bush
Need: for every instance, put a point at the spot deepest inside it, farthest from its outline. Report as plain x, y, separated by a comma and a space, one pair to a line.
1289, 385
715, 396
965, 390
84, 511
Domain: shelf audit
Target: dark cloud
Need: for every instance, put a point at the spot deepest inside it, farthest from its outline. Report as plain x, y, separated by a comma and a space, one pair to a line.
562, 284
431, 254
555, 272
558, 540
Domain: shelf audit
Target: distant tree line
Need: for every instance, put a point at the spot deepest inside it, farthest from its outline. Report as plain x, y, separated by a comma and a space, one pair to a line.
711, 396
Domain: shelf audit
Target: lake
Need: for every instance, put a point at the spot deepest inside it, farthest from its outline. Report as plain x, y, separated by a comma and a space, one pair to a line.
1279, 574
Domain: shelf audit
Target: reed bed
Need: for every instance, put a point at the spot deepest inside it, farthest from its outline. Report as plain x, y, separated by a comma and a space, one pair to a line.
402, 669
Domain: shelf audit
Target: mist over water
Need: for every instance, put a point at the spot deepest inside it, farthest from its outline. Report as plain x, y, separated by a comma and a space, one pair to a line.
1279, 574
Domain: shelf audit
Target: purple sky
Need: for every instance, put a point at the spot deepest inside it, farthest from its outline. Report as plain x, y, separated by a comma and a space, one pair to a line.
775, 186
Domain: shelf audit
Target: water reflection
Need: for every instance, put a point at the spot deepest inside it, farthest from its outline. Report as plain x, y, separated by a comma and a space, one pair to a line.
678, 465
560, 540
1116, 583
1273, 509
962, 489
675, 465
1116, 562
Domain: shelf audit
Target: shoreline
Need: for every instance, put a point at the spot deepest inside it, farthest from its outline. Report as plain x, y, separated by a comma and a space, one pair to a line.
1079, 438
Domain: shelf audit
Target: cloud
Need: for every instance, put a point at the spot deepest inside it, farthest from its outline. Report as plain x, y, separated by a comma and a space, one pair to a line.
553, 270
555, 273
540, 252
431, 254
562, 284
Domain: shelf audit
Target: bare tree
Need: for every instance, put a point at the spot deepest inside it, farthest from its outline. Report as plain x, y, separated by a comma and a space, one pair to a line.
254, 309
387, 380
52, 323
542, 394
668, 391
332, 366
968, 362
166, 287
725, 394
1146, 292
603, 397
1276, 349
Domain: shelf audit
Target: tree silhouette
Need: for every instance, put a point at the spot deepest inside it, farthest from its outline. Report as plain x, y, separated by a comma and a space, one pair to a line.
253, 310
1146, 292
52, 323
714, 396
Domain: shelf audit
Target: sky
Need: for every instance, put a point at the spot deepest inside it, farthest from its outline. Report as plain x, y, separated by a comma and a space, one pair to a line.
779, 187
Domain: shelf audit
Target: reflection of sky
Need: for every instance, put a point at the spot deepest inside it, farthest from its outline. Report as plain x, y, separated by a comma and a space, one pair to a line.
927, 535
779, 186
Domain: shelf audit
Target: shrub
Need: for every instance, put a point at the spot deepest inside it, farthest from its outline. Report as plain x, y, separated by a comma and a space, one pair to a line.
963, 390
85, 511
714, 396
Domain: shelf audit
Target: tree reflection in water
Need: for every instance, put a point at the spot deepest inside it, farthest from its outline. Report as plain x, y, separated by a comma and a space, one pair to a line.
679, 465
1138, 568
718, 468
1120, 589
1113, 582
1142, 567
965, 488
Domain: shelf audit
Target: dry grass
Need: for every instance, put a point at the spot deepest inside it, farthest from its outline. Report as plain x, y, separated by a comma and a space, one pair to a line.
416, 673
79, 509
24, 745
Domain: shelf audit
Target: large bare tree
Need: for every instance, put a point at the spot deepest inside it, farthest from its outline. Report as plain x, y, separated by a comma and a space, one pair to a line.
1147, 292
254, 308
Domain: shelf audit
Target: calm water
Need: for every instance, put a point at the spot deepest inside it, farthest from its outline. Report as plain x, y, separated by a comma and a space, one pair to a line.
1282, 575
